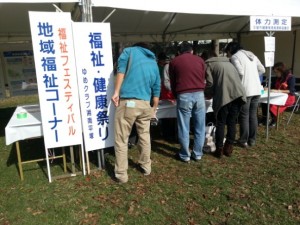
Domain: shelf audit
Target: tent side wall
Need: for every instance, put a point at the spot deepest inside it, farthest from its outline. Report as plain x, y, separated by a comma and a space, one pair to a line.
284, 47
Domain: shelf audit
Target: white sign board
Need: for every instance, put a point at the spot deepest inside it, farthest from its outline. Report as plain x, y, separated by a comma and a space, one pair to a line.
96, 83
52, 41
269, 44
270, 23
269, 59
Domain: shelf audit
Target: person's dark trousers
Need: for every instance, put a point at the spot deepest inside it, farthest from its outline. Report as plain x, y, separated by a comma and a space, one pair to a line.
168, 128
264, 111
133, 137
227, 115
248, 120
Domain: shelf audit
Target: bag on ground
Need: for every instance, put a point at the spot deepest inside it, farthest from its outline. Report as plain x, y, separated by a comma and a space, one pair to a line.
209, 144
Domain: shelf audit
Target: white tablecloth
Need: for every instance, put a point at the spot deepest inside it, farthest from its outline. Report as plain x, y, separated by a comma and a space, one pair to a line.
31, 127
167, 109
275, 98
21, 129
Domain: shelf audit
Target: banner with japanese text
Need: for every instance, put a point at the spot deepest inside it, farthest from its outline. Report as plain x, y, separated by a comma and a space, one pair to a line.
54, 58
270, 23
94, 64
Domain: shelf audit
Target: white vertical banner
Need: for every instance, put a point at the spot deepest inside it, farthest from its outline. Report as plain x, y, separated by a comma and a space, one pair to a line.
96, 83
269, 44
52, 42
269, 59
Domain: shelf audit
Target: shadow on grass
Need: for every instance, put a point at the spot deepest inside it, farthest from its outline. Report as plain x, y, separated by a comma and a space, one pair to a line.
5, 115
34, 149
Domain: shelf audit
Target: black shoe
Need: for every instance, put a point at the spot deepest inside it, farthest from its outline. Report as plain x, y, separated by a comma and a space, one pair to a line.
142, 170
242, 144
251, 143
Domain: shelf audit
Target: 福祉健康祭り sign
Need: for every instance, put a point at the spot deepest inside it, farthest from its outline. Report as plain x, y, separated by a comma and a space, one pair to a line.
96, 81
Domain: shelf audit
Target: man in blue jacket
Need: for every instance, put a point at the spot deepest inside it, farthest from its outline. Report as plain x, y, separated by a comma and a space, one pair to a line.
137, 83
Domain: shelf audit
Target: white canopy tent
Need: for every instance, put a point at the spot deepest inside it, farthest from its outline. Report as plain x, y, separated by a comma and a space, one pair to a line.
216, 7
156, 20
151, 20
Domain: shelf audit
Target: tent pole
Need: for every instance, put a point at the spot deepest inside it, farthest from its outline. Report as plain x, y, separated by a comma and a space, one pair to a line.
294, 49
270, 34
87, 15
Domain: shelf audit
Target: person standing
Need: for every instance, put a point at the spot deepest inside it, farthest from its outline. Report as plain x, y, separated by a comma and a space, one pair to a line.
187, 76
228, 93
137, 82
249, 67
167, 125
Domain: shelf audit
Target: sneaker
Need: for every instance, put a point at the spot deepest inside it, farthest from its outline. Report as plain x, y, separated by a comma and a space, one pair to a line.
251, 143
120, 181
242, 144
196, 158
146, 173
180, 159
143, 171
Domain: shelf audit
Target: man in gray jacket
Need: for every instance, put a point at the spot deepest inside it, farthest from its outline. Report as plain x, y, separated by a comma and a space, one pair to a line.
225, 87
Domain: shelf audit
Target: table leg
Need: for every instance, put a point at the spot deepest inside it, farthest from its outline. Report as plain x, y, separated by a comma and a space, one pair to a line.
87, 162
277, 119
99, 159
19, 160
72, 159
64, 159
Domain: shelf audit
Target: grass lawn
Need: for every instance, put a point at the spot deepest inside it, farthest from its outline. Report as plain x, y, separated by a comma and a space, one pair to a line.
259, 185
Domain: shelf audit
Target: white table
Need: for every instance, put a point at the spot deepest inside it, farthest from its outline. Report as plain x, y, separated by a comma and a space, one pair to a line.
276, 98
21, 129
28, 127
167, 109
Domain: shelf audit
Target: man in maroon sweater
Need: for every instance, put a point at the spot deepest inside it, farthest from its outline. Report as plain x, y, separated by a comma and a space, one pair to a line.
187, 75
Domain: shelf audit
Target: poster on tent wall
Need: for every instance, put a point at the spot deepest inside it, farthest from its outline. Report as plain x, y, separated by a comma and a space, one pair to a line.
2, 86
96, 83
20, 72
52, 41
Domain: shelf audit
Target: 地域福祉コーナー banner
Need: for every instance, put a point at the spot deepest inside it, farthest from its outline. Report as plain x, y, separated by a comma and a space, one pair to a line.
52, 40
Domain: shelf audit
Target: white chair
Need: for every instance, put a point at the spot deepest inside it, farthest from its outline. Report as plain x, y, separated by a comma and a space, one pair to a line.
295, 106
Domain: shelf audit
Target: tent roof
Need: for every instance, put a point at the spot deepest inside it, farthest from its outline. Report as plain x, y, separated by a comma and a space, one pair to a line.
128, 25
14, 18
153, 20
213, 7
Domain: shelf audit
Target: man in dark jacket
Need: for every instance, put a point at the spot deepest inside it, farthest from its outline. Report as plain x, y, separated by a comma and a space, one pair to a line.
224, 85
